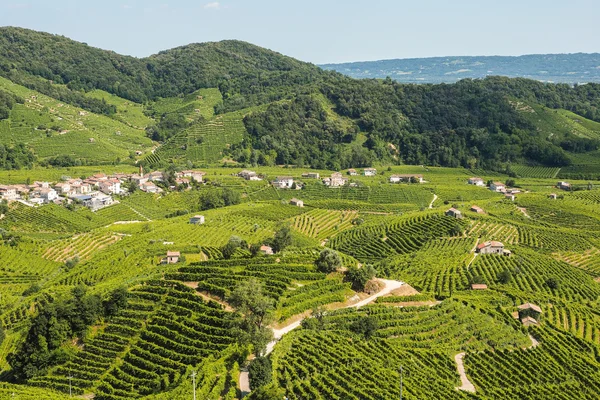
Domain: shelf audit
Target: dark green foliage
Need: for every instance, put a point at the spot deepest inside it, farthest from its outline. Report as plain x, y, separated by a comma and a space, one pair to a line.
365, 326
269, 392
232, 245
300, 133
32, 289
329, 261
260, 372
168, 126
7, 101
359, 277
215, 198
282, 238
552, 283
2, 334
116, 301
16, 157
248, 299
57, 323
505, 277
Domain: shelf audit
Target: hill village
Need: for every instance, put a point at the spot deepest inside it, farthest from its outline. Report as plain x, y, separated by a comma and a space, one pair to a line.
99, 190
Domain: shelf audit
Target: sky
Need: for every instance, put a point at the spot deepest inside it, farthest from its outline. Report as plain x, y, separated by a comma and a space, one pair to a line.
322, 31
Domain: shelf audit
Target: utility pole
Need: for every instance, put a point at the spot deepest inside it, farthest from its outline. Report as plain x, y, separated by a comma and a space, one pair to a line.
401, 382
194, 383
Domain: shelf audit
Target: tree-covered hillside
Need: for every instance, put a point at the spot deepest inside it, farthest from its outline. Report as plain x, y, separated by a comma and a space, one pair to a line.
296, 113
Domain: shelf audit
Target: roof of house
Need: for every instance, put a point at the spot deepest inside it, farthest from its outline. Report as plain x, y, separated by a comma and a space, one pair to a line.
265, 248
529, 320
406, 176
529, 306
478, 286
198, 216
476, 208
173, 254
499, 184
294, 200
490, 244
454, 210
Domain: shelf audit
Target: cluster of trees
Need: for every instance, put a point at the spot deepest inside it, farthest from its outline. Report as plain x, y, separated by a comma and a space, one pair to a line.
218, 197
48, 341
7, 102
169, 125
16, 157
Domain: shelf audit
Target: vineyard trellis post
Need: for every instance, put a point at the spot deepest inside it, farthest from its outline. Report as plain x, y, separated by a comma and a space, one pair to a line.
194, 384
401, 383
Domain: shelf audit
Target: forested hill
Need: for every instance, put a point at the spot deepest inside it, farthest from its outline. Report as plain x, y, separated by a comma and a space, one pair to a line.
560, 68
291, 112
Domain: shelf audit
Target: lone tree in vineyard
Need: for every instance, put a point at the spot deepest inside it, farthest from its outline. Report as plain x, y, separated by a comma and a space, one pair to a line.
256, 308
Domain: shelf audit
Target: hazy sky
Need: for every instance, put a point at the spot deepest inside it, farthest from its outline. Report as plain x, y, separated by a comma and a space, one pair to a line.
322, 31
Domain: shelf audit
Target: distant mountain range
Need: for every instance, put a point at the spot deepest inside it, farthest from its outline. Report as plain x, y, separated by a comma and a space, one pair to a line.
559, 68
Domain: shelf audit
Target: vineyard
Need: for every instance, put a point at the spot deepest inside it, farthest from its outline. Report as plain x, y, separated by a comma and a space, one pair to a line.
170, 328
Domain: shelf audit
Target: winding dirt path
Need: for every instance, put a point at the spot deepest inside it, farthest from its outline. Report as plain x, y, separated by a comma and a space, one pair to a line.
388, 287
433, 201
466, 385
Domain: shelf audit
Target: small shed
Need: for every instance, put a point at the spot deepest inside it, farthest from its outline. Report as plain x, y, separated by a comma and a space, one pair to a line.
477, 209
509, 196
296, 202
528, 321
197, 220
552, 196
529, 310
173, 257
266, 250
453, 212
478, 286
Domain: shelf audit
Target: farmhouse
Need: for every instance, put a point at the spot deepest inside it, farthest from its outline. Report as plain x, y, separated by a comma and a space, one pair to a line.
476, 181
266, 250
249, 175
478, 286
173, 257
406, 178
198, 176
564, 185
8, 192
336, 180
99, 200
477, 209
197, 220
552, 196
491, 247
369, 172
149, 187
62, 187
156, 176
497, 187
110, 186
311, 175
296, 202
283, 182
453, 212
48, 195
139, 179
352, 172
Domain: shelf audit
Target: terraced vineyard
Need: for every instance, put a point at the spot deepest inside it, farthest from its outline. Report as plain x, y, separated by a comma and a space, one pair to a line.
524, 171
164, 329
321, 224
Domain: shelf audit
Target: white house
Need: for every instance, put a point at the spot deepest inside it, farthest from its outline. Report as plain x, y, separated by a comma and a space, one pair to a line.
369, 172
62, 187
156, 176
296, 202
497, 187
197, 220
249, 175
492, 247
110, 186
149, 187
336, 180
564, 185
476, 181
8, 192
139, 179
48, 195
406, 178
195, 175
283, 182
